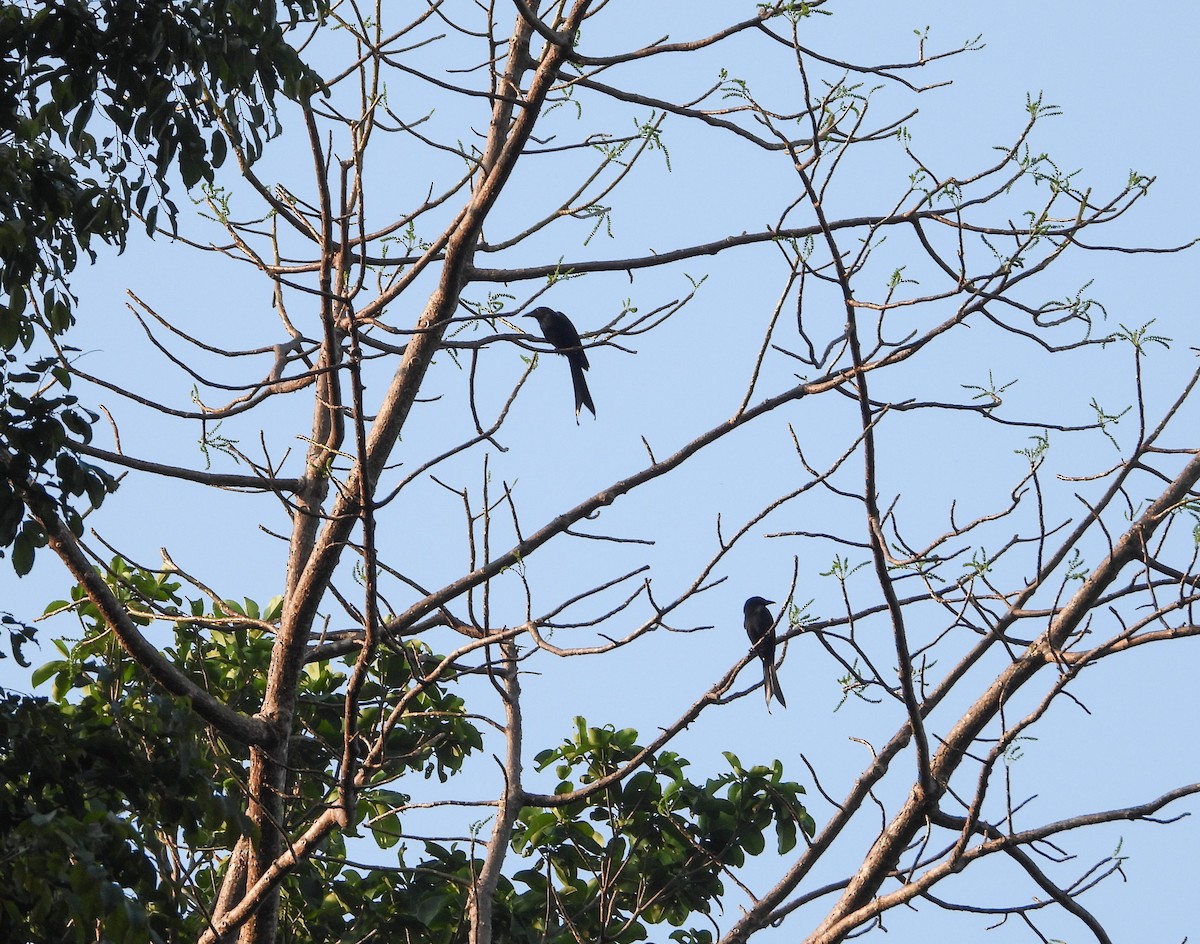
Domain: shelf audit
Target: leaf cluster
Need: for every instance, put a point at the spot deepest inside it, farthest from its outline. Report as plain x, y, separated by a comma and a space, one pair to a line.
226, 644
93, 800
646, 848
173, 83
36, 450
649, 848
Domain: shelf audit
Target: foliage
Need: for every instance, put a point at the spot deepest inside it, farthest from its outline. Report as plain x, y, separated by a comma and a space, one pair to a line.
647, 851
95, 801
36, 450
232, 660
650, 848
102, 105
172, 81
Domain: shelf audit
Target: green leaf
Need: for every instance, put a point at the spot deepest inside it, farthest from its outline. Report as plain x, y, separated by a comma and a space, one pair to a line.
22, 554
41, 674
785, 834
219, 149
17, 300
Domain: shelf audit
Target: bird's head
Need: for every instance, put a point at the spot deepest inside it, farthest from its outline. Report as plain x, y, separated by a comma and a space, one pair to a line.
539, 313
755, 602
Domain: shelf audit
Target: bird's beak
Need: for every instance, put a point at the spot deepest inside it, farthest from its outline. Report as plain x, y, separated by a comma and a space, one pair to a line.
772, 602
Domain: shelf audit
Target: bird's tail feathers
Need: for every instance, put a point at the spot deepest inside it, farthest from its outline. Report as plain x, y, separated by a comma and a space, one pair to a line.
583, 396
771, 685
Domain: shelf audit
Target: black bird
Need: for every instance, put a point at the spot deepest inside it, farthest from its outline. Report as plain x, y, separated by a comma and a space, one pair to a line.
558, 330
759, 627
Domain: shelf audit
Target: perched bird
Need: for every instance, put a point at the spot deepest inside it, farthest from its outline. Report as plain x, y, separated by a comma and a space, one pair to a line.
558, 330
759, 627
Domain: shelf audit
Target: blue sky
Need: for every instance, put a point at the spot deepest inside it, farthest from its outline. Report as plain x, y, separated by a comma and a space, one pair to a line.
1126, 83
